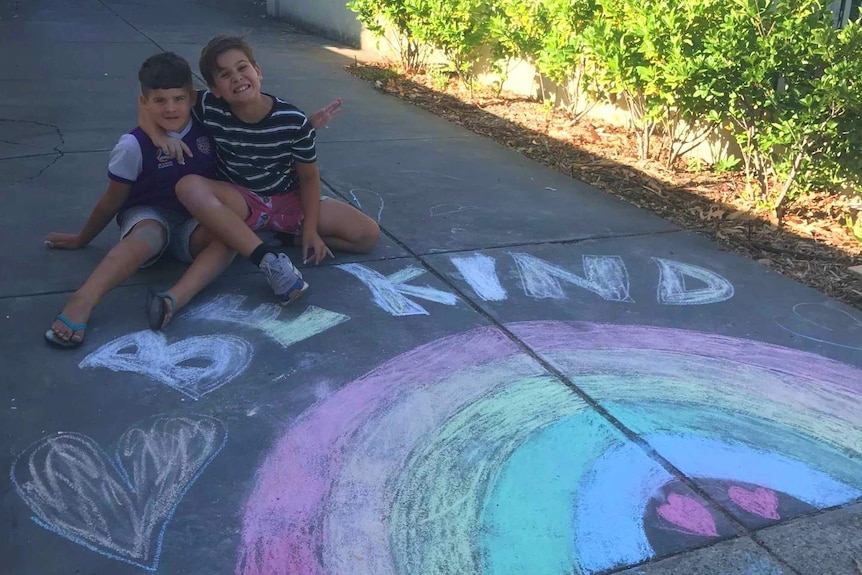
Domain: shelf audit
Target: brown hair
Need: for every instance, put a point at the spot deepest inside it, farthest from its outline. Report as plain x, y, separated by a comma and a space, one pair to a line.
163, 72
215, 48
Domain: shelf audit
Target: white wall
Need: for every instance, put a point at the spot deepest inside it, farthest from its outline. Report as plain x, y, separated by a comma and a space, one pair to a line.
329, 18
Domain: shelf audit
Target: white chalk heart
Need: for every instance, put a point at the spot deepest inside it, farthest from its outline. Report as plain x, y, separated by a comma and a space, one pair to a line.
120, 506
210, 361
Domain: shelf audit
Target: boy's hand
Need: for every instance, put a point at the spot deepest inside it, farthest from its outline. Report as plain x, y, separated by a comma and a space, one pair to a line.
323, 116
174, 148
58, 241
314, 249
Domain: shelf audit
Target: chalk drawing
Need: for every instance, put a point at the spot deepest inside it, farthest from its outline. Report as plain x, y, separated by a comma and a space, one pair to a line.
389, 292
670, 528
119, 505
478, 270
688, 514
193, 366
265, 317
824, 323
606, 276
760, 501
441, 209
466, 456
361, 192
672, 288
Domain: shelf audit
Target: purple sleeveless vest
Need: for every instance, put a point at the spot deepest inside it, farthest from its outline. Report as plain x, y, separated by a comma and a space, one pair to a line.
160, 173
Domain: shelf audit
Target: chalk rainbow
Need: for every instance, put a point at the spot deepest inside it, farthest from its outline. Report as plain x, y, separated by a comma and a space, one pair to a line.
466, 456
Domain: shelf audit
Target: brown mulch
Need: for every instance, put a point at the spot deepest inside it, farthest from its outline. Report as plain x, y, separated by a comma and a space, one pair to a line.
812, 244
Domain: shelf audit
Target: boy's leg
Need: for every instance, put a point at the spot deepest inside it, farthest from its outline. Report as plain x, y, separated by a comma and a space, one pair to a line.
225, 211
220, 208
344, 227
145, 240
210, 258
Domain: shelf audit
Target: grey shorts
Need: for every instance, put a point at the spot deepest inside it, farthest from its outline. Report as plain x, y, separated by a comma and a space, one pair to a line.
178, 229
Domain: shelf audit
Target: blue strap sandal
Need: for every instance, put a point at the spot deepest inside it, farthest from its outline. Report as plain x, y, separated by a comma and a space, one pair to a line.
57, 341
157, 309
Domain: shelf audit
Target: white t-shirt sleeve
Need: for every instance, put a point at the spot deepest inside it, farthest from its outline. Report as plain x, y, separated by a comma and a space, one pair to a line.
126, 161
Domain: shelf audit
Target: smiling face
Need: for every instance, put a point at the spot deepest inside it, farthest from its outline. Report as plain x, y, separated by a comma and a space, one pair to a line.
169, 108
236, 78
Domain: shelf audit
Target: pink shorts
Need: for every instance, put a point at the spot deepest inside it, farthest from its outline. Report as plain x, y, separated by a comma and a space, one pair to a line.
282, 213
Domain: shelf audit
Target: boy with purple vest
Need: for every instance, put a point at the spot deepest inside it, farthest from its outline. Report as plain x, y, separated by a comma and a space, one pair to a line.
141, 195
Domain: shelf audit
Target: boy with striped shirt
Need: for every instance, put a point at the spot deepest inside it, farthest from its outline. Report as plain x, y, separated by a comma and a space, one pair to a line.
267, 159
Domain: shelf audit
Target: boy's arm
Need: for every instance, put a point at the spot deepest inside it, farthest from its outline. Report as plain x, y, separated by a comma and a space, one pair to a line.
322, 117
104, 211
314, 249
177, 149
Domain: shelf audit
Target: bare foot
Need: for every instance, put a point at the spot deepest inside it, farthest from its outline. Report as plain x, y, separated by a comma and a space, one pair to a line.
77, 311
169, 310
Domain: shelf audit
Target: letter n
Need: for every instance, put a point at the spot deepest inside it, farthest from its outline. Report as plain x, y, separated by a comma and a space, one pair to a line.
605, 276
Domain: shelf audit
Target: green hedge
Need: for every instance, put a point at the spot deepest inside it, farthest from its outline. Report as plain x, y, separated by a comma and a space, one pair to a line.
773, 72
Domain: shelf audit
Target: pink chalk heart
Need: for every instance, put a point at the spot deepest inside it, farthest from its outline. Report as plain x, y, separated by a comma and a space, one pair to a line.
688, 515
763, 502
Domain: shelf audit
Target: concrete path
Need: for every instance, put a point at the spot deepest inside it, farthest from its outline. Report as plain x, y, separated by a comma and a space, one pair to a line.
525, 377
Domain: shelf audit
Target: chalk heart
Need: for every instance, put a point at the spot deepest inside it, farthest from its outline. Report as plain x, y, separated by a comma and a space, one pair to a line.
688, 515
118, 507
194, 366
760, 501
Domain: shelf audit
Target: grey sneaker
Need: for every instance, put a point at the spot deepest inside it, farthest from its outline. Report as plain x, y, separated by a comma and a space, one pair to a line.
283, 277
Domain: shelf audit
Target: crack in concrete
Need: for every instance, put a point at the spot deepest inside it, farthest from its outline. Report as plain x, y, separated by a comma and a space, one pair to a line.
59, 153
141, 32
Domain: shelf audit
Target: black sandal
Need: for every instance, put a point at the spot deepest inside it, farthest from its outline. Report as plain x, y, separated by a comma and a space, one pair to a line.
157, 309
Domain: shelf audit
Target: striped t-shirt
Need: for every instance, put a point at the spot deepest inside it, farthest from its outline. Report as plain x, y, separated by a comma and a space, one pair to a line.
259, 156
